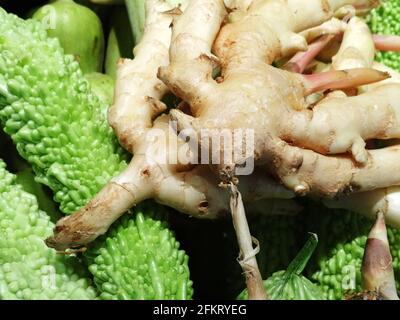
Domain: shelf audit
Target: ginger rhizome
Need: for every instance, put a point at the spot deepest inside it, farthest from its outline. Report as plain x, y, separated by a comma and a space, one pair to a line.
291, 141
188, 188
310, 130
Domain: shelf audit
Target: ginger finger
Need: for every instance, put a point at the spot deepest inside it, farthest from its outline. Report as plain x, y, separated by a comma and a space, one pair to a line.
357, 48
150, 174
330, 27
368, 203
196, 45
355, 51
96, 217
307, 172
381, 43
386, 42
187, 192
138, 91
370, 115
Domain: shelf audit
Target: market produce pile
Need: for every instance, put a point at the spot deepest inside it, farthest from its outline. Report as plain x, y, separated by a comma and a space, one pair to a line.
309, 94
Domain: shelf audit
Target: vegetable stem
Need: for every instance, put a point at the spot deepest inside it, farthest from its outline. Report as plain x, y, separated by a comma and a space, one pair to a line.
137, 15
247, 256
300, 261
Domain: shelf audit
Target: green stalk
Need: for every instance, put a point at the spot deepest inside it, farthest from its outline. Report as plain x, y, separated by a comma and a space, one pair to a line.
137, 16
300, 261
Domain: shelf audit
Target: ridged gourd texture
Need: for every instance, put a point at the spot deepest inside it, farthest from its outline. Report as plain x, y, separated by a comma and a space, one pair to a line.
59, 126
335, 265
385, 20
290, 284
298, 288
140, 259
28, 268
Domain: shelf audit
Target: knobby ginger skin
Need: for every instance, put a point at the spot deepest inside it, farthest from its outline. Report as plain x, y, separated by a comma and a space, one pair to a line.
193, 192
137, 84
317, 151
357, 51
253, 94
186, 187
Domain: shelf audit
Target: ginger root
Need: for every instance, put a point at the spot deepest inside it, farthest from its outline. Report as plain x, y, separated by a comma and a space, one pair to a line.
297, 148
283, 127
157, 170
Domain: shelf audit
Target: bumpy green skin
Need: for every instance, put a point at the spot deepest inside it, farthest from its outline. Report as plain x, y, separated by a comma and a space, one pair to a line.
59, 127
297, 288
78, 29
336, 264
140, 259
56, 122
28, 268
385, 20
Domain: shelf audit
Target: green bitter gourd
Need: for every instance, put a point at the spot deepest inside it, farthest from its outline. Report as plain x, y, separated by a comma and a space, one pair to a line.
58, 125
28, 268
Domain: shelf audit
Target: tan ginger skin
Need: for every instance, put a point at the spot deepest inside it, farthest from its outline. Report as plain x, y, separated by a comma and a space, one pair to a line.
318, 151
273, 105
185, 187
